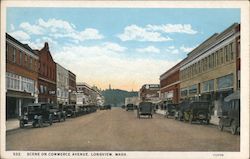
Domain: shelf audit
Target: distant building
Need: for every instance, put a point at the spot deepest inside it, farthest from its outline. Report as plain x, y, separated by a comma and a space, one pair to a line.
46, 76
62, 85
150, 92
21, 76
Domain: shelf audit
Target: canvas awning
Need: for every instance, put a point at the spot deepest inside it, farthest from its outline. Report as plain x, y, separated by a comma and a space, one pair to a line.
235, 95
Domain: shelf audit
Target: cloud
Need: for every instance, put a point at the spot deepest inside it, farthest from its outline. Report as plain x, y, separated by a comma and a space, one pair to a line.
186, 49
31, 29
149, 49
12, 27
172, 28
20, 35
173, 51
114, 47
56, 25
134, 32
102, 66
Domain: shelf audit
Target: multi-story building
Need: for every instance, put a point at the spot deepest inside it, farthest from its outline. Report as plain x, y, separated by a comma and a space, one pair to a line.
150, 92
21, 76
47, 76
170, 84
72, 87
62, 85
88, 95
211, 71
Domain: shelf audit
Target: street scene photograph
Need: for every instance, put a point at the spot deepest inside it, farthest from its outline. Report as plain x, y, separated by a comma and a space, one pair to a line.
122, 79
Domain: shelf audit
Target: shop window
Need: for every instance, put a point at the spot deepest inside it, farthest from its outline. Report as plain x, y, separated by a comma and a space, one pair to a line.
225, 82
193, 89
184, 92
208, 86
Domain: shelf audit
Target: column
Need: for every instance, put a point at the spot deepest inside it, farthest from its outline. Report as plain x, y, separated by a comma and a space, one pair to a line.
19, 102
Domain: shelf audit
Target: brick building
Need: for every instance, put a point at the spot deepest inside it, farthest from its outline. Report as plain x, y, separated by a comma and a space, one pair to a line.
170, 84
47, 76
150, 92
72, 87
21, 76
211, 71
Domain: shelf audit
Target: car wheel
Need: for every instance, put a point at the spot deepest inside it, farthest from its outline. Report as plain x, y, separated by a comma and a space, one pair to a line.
220, 126
191, 119
233, 128
21, 124
40, 122
50, 120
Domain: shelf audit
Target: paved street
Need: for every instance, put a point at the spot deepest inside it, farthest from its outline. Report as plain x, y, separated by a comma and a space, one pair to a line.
121, 130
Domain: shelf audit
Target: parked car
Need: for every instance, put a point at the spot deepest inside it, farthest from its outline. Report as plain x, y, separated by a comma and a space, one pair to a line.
58, 113
179, 113
70, 110
197, 111
171, 109
108, 107
145, 109
37, 114
129, 107
230, 116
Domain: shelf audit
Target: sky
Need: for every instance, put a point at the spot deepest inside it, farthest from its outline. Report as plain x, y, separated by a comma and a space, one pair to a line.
124, 47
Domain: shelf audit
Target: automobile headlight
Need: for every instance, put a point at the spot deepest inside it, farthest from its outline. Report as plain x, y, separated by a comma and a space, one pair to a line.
55, 113
36, 117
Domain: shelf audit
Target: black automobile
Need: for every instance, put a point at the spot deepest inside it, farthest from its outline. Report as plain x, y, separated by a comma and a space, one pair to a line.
230, 116
37, 114
145, 109
197, 111
108, 107
171, 109
70, 110
129, 107
58, 113
179, 113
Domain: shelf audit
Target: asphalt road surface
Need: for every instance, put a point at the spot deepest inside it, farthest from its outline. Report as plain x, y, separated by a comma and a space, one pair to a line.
118, 129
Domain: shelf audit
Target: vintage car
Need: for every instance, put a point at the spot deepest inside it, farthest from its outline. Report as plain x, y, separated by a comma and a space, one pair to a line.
197, 111
105, 107
58, 113
37, 114
130, 107
171, 109
179, 113
230, 115
70, 110
145, 109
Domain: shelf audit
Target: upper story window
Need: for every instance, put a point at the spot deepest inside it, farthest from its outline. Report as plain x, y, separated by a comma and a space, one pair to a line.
14, 55
20, 57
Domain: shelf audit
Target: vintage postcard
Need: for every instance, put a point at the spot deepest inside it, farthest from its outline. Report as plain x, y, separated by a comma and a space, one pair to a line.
124, 79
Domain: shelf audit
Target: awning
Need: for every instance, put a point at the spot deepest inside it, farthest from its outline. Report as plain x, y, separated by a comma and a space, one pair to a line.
235, 95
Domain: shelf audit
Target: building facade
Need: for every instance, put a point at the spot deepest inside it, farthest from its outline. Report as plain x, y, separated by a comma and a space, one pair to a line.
62, 85
150, 92
72, 87
212, 70
21, 76
170, 84
46, 76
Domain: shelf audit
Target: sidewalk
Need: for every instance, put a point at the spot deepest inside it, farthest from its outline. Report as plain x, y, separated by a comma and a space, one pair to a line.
12, 124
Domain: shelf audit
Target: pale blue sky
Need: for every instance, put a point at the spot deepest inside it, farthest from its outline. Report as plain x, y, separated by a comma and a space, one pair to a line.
124, 47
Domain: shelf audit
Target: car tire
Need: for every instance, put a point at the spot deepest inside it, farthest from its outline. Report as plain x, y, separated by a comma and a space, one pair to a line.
21, 124
40, 122
233, 128
220, 126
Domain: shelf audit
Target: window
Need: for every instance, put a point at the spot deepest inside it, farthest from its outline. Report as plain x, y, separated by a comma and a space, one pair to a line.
231, 51
226, 53
225, 82
31, 62
199, 67
21, 58
212, 60
209, 61
221, 56
45, 89
208, 86
184, 92
26, 59
14, 55
218, 57
193, 89
41, 89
